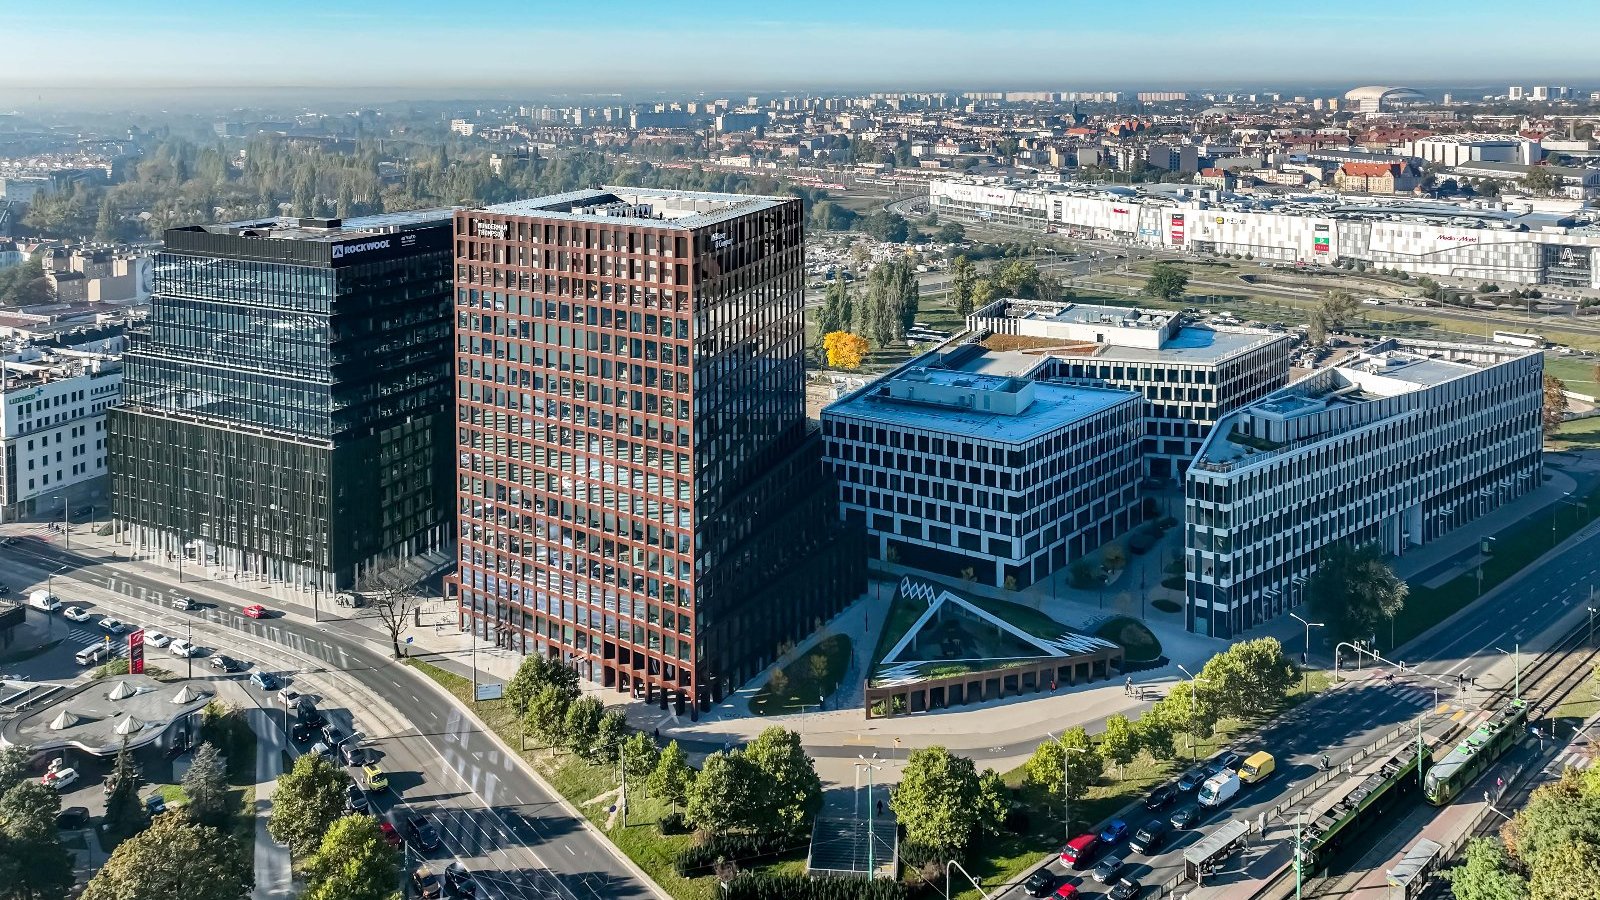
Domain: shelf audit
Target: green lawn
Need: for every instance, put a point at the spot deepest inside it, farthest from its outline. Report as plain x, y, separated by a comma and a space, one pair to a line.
1577, 374
801, 683
1513, 549
1138, 642
579, 782
1577, 434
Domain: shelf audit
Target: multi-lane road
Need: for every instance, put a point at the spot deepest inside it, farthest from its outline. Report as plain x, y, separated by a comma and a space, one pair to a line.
490, 811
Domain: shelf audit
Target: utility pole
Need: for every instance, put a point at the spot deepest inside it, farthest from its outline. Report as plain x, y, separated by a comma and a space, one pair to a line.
872, 825
1299, 853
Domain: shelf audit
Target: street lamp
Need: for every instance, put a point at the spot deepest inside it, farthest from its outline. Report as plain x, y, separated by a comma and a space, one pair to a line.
1194, 682
1591, 618
1066, 770
871, 765
1299, 852
1516, 669
50, 588
975, 885
1306, 656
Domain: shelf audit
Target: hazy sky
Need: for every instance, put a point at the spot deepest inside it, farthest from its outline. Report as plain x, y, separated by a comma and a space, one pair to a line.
761, 44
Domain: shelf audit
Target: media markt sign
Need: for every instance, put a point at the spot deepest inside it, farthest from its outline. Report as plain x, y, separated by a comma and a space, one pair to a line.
136, 652
340, 251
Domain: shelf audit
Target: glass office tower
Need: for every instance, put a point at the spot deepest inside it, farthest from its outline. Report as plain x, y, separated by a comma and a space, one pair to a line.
640, 494
286, 407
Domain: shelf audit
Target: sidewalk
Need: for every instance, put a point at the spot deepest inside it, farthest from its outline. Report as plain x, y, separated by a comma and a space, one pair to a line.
274, 880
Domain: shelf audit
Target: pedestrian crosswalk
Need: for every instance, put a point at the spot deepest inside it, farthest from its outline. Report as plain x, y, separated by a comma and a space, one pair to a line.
1573, 758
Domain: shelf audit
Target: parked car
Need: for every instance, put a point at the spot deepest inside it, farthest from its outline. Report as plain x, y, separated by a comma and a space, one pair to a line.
1108, 870
1040, 883
458, 882
426, 884
264, 680
226, 663
73, 817
1162, 797
60, 778
255, 611
1114, 832
422, 833
114, 626
77, 614
355, 799
155, 804
183, 649
156, 639
1192, 779
1125, 889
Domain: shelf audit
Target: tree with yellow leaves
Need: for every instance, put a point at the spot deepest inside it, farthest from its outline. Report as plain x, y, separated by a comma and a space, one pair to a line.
845, 350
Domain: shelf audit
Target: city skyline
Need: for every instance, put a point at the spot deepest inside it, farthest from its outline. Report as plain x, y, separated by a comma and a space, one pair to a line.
890, 45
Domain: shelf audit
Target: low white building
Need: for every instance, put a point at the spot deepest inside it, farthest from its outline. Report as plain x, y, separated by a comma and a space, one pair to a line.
952, 469
1398, 445
53, 428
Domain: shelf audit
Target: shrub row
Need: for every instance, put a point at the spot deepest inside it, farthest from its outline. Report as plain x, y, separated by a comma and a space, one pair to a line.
743, 849
761, 886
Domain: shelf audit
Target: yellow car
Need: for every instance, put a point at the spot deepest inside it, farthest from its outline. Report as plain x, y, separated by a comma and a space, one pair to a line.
376, 780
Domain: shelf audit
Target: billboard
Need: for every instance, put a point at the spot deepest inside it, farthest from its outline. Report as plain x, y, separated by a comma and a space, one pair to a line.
136, 652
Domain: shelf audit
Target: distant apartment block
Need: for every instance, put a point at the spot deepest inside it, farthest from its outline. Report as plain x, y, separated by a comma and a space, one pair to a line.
1189, 377
52, 427
1399, 445
950, 468
1161, 96
639, 493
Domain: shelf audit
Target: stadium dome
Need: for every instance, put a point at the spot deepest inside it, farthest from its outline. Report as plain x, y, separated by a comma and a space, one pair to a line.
1377, 96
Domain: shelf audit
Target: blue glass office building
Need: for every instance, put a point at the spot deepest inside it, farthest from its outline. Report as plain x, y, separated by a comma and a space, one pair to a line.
286, 407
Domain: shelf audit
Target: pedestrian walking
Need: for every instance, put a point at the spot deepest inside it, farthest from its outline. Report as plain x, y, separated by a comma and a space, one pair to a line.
1127, 686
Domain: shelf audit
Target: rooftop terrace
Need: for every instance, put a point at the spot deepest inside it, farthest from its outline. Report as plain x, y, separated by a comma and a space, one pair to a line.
661, 208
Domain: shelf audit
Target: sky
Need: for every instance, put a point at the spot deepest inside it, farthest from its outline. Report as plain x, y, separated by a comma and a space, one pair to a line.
521, 46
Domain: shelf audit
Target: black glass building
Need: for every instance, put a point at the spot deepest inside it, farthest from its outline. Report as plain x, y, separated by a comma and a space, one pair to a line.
286, 407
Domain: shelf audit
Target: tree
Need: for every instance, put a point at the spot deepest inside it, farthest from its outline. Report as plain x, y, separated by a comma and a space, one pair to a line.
1555, 816
672, 778
1082, 769
547, 714
1249, 678
1155, 733
175, 857
1017, 278
963, 276
951, 233
791, 791
1119, 743
1166, 282
613, 731
1540, 180
395, 597
837, 308
125, 814
1567, 871
845, 350
581, 725
1332, 312
723, 793
353, 862
535, 672
206, 784
33, 863
1555, 404
1486, 874
1353, 590
639, 755
938, 800
13, 766
994, 802
308, 799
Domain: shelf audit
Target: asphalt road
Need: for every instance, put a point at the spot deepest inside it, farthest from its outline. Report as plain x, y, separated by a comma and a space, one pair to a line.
443, 764
1353, 716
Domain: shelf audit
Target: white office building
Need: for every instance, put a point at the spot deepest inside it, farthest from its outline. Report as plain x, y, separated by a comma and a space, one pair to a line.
1188, 376
951, 468
1398, 445
53, 428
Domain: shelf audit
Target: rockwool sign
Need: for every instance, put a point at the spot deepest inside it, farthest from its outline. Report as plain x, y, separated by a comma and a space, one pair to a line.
340, 251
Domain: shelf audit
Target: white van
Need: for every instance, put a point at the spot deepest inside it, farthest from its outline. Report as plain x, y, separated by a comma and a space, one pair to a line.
93, 654
44, 601
1219, 789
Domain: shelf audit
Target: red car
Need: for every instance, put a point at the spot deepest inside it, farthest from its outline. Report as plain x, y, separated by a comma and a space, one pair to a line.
390, 836
1078, 851
255, 611
1067, 891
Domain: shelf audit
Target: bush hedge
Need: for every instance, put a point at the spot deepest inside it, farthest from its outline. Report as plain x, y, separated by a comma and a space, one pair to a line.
760, 886
673, 823
743, 849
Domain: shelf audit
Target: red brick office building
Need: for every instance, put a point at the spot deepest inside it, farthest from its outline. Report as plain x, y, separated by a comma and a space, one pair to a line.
639, 493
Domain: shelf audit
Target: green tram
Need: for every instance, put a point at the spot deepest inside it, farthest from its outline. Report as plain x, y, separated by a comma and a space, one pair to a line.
1453, 774
1357, 803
